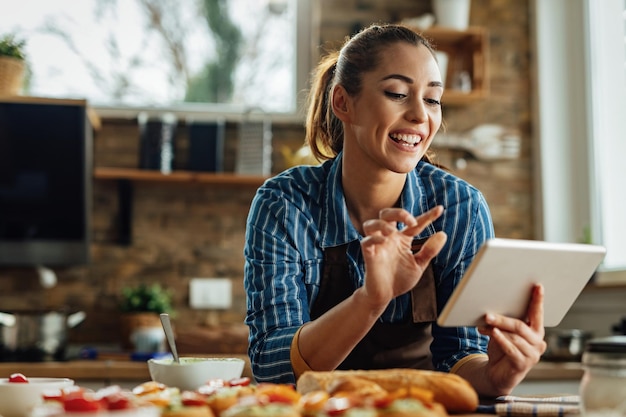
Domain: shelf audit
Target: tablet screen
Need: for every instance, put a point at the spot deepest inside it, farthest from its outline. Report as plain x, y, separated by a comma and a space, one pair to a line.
501, 277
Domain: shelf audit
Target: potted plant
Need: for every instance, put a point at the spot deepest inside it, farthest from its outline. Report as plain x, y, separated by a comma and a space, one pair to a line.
141, 306
12, 64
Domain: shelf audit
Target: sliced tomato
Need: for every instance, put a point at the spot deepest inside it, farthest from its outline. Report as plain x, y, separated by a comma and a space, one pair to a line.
383, 401
53, 394
239, 382
119, 401
18, 378
192, 399
83, 401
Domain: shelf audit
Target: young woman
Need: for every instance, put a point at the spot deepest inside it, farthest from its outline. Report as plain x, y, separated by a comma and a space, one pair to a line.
349, 262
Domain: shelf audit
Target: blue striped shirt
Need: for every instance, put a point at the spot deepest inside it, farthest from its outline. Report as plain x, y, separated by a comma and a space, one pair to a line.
300, 212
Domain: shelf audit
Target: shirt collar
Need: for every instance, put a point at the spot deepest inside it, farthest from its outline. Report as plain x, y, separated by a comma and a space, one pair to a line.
336, 227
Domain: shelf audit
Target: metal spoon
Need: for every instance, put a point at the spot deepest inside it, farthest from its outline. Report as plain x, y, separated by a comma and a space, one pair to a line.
169, 335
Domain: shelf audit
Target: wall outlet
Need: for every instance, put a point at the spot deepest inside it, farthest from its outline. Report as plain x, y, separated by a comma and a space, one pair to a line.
210, 293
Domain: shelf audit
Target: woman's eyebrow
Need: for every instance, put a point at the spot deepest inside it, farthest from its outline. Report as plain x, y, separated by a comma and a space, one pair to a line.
409, 80
400, 77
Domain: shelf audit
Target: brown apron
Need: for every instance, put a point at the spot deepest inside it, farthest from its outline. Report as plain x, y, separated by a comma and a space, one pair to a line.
386, 345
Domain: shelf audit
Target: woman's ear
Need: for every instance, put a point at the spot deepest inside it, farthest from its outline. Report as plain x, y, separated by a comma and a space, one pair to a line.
341, 103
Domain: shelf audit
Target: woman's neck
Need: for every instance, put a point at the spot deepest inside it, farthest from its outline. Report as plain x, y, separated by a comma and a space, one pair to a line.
368, 191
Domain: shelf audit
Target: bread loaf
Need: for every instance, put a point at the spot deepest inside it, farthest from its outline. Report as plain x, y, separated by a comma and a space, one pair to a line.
450, 390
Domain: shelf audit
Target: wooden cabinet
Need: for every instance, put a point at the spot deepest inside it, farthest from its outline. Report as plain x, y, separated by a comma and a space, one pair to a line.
467, 52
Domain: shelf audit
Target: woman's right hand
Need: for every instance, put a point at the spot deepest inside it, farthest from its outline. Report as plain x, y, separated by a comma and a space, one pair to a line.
391, 268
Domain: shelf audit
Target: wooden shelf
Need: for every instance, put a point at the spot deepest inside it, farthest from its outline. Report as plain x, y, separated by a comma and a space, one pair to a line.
457, 98
127, 177
468, 51
141, 175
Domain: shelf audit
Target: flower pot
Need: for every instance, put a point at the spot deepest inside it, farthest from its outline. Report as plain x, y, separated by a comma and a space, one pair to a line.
11, 75
453, 14
141, 332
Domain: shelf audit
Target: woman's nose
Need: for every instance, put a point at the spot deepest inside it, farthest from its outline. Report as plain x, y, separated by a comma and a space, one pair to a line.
416, 113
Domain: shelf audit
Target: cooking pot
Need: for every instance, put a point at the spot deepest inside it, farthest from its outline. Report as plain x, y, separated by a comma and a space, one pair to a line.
35, 335
620, 327
566, 344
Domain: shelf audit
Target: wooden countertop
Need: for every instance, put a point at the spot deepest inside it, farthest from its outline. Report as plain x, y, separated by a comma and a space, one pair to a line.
124, 370
92, 370
545, 370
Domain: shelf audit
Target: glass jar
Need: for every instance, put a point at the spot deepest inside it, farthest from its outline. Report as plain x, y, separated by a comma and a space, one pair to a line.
603, 386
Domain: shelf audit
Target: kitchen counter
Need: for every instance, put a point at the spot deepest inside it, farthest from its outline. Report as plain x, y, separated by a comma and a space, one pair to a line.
107, 370
545, 370
125, 370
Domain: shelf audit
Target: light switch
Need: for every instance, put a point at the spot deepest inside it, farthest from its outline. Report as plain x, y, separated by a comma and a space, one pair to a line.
210, 293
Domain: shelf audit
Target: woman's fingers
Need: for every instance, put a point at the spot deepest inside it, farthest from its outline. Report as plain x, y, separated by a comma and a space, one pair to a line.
422, 221
389, 218
430, 249
402, 216
379, 227
535, 309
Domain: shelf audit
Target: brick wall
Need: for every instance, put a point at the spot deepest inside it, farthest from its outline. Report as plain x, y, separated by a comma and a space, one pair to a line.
186, 231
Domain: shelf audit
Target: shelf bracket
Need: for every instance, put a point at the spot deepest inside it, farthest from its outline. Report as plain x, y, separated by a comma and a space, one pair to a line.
125, 212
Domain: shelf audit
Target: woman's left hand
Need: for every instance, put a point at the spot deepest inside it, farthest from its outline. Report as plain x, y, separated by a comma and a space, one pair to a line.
515, 346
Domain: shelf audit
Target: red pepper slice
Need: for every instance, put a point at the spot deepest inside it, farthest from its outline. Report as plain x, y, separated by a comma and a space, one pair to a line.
239, 382
83, 401
18, 378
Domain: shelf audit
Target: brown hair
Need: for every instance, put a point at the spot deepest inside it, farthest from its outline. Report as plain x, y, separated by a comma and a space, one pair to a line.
359, 54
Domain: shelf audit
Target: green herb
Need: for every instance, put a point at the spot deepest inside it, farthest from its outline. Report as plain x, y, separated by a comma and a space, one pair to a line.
146, 298
12, 47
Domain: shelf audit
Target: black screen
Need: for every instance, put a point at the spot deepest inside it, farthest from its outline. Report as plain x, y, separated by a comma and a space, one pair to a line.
44, 191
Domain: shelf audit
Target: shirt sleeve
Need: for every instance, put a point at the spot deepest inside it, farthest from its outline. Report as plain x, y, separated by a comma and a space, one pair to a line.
277, 302
453, 344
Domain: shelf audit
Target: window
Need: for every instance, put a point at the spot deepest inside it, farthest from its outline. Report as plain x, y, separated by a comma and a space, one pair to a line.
581, 102
606, 85
189, 55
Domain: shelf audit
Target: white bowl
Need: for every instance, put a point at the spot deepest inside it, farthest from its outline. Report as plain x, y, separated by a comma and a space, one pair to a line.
19, 399
192, 373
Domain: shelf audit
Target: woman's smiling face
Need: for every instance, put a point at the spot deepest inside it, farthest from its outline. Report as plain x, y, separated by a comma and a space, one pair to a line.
391, 122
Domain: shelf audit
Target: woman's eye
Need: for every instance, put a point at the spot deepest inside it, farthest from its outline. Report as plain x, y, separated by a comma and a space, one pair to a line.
432, 102
395, 96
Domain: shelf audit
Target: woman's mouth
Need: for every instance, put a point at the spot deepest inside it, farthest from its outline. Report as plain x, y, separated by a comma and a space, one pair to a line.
405, 139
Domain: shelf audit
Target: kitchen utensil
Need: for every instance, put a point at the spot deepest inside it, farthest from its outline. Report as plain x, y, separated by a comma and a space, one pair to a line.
169, 335
619, 328
565, 344
254, 151
36, 335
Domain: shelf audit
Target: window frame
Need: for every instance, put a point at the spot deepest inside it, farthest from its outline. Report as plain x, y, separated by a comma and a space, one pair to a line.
578, 130
307, 25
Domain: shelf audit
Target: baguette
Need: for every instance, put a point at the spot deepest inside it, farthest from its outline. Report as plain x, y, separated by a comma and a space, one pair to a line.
450, 390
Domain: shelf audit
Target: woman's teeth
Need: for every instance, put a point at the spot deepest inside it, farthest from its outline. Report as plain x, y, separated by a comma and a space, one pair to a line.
408, 139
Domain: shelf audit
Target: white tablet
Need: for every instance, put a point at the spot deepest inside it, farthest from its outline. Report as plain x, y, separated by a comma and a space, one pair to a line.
501, 277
